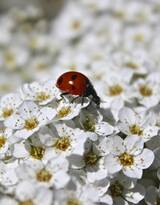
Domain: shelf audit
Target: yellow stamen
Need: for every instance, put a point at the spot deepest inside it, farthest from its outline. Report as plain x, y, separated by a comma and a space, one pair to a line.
63, 143
115, 90
7, 112
37, 152
126, 159
31, 123
44, 175
145, 91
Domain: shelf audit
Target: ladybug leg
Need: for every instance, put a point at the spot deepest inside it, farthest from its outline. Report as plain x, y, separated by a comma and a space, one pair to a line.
74, 99
62, 96
82, 100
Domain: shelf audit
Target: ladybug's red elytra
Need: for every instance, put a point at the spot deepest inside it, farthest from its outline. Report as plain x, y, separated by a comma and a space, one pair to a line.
76, 83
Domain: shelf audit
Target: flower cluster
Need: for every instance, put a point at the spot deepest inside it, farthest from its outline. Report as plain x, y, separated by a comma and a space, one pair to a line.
56, 151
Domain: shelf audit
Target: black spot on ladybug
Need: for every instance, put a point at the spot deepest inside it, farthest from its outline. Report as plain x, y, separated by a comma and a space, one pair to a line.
60, 81
73, 77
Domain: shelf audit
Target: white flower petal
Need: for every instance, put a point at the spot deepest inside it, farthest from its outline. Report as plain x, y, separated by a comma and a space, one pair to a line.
61, 179
124, 128
103, 128
150, 132
11, 100
107, 199
46, 114
135, 195
20, 150
28, 109
127, 116
8, 201
145, 159
134, 144
25, 190
116, 145
14, 122
44, 196
59, 163
133, 172
97, 175
112, 164
24, 134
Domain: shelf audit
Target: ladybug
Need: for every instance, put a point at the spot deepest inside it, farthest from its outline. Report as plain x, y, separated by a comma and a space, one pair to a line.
76, 83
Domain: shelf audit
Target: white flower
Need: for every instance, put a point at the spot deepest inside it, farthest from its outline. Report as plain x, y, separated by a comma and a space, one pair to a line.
95, 6
92, 161
8, 200
15, 57
73, 23
29, 193
136, 36
114, 91
122, 190
54, 173
132, 62
40, 66
67, 110
28, 119
5, 136
86, 194
128, 155
133, 123
93, 124
9, 105
63, 140
41, 92
30, 149
8, 176
147, 90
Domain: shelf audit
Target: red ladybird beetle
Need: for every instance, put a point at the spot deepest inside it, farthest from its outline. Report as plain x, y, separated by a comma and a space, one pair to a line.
76, 83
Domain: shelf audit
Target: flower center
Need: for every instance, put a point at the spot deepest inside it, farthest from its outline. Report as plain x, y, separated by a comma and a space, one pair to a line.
9, 58
73, 201
116, 189
42, 96
145, 90
31, 123
27, 202
63, 143
76, 25
119, 14
44, 175
37, 152
139, 37
89, 124
2, 141
131, 64
64, 111
41, 66
115, 90
126, 159
91, 158
136, 130
7, 112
